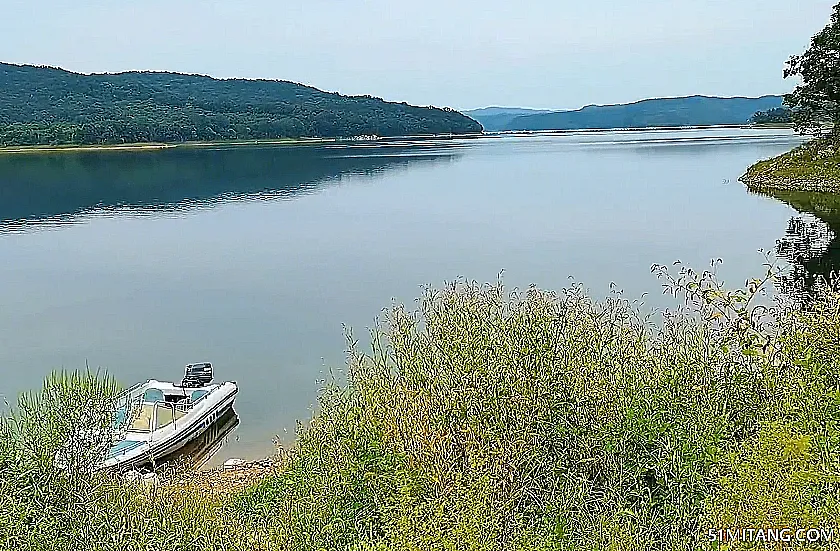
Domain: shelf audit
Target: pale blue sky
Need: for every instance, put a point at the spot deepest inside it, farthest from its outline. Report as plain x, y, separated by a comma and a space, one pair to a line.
457, 53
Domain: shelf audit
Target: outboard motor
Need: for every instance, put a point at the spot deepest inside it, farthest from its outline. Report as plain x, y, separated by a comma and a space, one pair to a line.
197, 375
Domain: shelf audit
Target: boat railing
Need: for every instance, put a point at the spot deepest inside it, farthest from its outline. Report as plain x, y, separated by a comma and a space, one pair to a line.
171, 417
127, 394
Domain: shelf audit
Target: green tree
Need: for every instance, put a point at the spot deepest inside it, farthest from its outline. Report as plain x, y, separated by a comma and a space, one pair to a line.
772, 116
816, 101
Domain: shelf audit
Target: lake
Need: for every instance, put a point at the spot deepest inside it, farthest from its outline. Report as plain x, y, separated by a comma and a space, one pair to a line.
254, 257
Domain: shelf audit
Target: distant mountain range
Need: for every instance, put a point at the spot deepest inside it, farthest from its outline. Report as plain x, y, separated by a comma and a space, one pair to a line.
657, 112
499, 118
44, 105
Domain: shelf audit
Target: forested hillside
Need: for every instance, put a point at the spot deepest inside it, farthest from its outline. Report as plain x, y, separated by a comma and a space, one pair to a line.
687, 111
41, 105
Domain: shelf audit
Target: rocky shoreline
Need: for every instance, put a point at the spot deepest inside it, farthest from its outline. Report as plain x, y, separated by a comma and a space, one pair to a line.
234, 475
813, 166
768, 182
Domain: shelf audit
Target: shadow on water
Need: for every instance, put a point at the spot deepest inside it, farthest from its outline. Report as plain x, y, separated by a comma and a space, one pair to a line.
42, 190
202, 449
811, 243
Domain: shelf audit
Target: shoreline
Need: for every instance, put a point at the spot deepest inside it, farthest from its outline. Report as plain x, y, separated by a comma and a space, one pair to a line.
641, 129
152, 146
813, 166
159, 146
232, 476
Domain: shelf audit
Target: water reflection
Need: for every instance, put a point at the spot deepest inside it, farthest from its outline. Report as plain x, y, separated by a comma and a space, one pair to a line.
46, 190
811, 243
202, 449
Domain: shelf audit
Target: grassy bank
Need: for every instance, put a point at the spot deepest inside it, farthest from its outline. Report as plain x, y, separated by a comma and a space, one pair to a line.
489, 419
813, 166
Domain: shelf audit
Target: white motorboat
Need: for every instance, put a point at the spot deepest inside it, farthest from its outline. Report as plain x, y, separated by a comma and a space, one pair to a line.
156, 419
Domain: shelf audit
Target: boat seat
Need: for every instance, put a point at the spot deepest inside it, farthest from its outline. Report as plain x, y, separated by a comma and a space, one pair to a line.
153, 395
198, 395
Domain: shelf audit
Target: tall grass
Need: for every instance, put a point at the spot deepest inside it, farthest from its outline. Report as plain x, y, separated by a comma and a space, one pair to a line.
488, 419
493, 419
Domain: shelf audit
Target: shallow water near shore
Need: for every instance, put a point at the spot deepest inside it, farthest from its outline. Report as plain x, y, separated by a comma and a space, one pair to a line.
253, 258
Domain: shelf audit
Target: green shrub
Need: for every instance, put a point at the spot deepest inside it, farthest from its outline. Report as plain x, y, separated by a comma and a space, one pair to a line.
495, 420
488, 419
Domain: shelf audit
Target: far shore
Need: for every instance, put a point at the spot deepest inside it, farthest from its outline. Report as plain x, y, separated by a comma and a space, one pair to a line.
158, 146
778, 126
154, 146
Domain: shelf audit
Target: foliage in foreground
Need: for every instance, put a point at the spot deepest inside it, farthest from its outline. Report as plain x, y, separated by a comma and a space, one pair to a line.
489, 419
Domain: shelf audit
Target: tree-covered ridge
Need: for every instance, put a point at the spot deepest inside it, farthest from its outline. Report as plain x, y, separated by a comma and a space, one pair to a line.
656, 112
42, 105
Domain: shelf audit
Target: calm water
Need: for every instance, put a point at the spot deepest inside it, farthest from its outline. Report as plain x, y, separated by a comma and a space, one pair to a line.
253, 258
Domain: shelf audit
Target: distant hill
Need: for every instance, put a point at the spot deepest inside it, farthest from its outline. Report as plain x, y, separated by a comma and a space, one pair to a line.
685, 111
42, 105
498, 118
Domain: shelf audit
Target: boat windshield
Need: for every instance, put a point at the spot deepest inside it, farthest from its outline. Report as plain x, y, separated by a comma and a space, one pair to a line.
154, 416
165, 415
